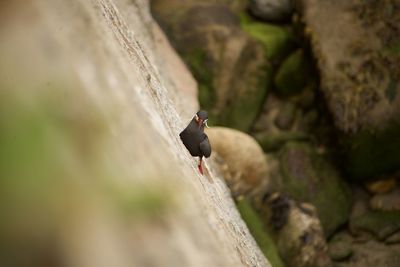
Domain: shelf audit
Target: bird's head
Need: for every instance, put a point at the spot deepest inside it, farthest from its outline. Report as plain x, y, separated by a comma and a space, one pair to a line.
201, 118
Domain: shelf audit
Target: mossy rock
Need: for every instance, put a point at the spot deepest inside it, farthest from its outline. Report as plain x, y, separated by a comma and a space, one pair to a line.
274, 141
368, 154
310, 177
277, 41
233, 73
263, 239
246, 99
380, 223
197, 60
293, 74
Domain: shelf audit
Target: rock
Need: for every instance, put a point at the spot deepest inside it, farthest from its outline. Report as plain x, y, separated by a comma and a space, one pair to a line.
258, 230
360, 202
244, 158
297, 230
386, 202
309, 177
309, 120
393, 239
372, 254
228, 63
360, 78
93, 172
272, 10
277, 41
177, 72
340, 246
381, 186
293, 74
380, 223
274, 141
266, 131
286, 116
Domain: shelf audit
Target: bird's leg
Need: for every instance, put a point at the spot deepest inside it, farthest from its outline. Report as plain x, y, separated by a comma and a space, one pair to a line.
200, 166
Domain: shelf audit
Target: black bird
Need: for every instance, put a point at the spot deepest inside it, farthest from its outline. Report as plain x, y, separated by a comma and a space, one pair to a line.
194, 138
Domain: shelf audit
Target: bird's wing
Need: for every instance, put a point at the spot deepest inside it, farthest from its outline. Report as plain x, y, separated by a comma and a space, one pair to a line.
205, 147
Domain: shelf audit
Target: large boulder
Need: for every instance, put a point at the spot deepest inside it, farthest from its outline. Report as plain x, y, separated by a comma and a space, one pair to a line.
358, 58
247, 167
308, 176
228, 64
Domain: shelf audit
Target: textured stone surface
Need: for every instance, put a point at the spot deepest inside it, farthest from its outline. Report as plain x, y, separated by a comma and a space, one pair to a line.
244, 157
358, 57
297, 231
372, 254
307, 176
94, 171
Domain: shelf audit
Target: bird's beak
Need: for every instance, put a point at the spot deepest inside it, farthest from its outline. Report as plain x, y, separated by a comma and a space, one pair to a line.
205, 122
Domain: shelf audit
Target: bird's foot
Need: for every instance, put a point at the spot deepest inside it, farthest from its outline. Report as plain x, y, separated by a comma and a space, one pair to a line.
200, 169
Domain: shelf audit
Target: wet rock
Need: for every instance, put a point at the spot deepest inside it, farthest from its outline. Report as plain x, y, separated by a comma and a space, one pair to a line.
386, 202
243, 156
297, 231
340, 246
293, 74
272, 10
308, 176
357, 56
227, 62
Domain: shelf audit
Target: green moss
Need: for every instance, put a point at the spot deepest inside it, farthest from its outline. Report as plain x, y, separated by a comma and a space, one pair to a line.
277, 41
368, 154
293, 74
309, 177
391, 90
242, 110
263, 239
141, 200
273, 142
394, 49
196, 59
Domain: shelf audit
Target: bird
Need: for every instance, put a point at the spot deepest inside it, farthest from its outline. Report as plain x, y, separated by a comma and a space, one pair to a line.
194, 138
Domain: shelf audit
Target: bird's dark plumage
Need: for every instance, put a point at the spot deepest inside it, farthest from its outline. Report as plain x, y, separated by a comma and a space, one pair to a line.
194, 138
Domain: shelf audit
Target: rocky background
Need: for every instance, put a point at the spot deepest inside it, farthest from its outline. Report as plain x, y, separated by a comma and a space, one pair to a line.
307, 93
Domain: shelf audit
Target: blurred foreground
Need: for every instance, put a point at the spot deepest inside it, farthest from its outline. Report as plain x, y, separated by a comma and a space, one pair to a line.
92, 172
